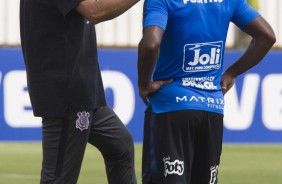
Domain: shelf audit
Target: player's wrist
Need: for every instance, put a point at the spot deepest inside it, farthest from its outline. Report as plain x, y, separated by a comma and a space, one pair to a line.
232, 71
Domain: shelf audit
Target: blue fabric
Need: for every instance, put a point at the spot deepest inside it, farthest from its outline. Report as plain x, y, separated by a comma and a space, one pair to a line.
192, 50
153, 160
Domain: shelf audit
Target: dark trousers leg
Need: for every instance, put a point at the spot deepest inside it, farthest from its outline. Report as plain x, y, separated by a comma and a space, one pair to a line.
63, 150
64, 146
208, 150
115, 142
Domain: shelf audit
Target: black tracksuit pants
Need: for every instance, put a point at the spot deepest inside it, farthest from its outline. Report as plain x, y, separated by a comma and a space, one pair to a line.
64, 142
182, 147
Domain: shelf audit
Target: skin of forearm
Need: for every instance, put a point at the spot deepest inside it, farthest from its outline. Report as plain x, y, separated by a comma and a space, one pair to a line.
147, 57
103, 10
255, 52
263, 38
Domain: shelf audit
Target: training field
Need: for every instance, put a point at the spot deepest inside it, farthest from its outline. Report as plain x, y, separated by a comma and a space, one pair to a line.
240, 164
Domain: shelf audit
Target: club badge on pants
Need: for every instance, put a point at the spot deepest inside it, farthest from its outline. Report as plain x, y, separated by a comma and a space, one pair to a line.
82, 122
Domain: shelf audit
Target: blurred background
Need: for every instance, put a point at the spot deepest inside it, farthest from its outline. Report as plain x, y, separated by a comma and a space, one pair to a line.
252, 151
126, 30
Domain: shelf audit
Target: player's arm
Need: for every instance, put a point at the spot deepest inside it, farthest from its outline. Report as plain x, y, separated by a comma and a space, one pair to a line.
102, 10
148, 53
263, 38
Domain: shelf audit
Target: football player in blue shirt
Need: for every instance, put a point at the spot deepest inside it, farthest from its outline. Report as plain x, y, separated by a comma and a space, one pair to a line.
180, 78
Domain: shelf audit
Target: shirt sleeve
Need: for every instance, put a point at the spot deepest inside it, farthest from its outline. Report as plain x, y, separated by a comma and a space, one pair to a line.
155, 13
65, 6
244, 14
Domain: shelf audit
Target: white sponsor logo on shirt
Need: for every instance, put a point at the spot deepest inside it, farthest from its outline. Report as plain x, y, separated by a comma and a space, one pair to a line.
214, 103
202, 1
199, 82
202, 56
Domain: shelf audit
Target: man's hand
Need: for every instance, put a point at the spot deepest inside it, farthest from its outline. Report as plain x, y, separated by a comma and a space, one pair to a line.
227, 81
153, 87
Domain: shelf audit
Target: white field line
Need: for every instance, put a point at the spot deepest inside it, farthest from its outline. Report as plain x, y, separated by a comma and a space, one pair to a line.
17, 175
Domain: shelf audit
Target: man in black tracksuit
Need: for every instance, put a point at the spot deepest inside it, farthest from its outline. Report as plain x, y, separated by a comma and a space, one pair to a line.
66, 90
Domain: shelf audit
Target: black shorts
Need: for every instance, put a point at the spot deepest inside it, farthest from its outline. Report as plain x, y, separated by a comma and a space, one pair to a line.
64, 141
182, 147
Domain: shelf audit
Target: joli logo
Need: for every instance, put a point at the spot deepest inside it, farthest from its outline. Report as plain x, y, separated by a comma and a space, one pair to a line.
202, 56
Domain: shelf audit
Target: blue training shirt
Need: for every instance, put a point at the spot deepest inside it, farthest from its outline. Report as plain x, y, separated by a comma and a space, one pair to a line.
192, 50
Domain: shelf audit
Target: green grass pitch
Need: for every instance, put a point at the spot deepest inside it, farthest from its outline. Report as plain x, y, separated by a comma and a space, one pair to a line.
20, 163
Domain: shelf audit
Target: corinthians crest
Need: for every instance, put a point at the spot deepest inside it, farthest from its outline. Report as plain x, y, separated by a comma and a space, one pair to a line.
82, 122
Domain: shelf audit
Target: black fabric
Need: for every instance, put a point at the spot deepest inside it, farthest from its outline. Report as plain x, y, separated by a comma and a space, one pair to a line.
65, 6
64, 146
60, 54
188, 143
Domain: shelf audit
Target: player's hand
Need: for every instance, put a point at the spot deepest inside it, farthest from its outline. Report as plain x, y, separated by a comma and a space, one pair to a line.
154, 86
227, 81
